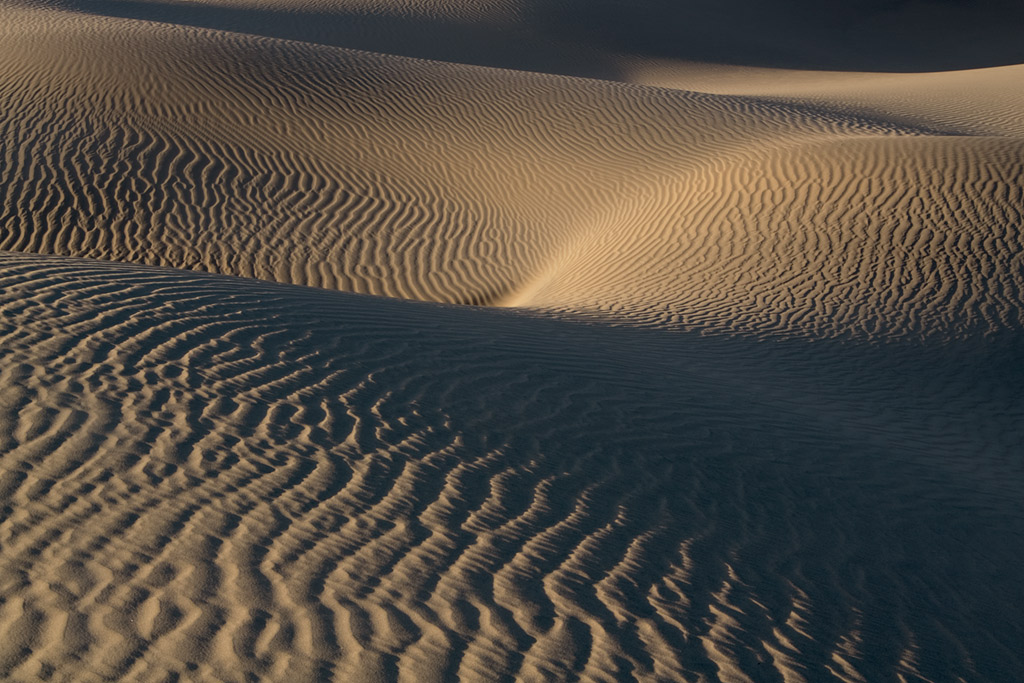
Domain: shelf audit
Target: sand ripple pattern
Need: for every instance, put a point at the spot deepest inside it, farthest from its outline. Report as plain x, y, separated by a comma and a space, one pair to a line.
221, 479
881, 237
168, 145
737, 397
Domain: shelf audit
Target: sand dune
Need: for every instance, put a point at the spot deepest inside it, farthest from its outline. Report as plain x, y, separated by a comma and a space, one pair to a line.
222, 478
736, 397
326, 167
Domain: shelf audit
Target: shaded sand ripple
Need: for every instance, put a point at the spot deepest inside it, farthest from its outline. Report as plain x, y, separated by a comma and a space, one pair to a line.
223, 479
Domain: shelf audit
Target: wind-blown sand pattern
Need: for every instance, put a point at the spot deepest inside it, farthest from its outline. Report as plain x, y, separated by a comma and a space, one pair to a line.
737, 397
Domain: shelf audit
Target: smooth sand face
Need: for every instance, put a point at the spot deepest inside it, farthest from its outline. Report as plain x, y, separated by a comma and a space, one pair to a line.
737, 400
593, 38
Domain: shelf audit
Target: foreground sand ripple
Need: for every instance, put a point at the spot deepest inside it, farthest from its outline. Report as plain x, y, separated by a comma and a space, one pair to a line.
223, 479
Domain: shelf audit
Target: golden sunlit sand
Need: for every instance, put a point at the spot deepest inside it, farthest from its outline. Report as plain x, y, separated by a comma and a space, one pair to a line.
365, 340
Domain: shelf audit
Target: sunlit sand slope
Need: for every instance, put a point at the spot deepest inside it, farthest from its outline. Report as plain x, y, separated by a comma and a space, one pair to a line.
966, 102
319, 166
877, 236
196, 149
223, 479
168, 145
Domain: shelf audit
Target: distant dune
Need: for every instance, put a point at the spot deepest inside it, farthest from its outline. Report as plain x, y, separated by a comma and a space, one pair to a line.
323, 361
592, 37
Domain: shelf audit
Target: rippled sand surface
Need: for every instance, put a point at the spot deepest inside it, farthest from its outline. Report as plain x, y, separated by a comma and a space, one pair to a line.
334, 364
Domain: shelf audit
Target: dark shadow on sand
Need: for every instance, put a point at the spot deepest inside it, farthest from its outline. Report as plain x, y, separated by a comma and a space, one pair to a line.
581, 37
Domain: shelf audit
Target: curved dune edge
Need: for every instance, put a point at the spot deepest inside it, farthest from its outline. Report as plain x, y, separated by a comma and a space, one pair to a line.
220, 478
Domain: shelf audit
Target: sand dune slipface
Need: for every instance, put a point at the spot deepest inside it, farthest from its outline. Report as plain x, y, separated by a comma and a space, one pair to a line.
737, 397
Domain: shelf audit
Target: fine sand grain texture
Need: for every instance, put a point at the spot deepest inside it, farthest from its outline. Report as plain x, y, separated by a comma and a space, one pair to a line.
320, 361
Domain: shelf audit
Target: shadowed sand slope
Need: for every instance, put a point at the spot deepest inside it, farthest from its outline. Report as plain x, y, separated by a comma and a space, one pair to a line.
738, 398
594, 37
222, 478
